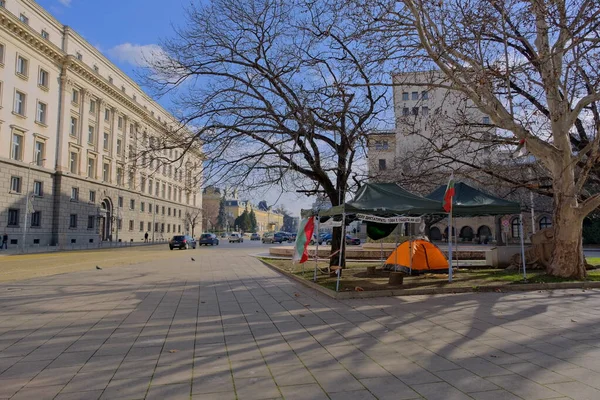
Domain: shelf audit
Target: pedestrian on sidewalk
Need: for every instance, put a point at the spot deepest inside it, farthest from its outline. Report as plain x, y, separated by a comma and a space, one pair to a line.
146, 237
4, 241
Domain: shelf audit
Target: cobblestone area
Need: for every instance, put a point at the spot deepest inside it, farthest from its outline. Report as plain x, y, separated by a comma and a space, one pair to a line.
227, 327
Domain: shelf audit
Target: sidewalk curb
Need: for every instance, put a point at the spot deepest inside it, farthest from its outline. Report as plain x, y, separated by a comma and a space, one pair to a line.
529, 287
10, 253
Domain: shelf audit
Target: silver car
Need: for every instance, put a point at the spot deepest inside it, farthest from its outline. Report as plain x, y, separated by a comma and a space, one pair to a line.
236, 238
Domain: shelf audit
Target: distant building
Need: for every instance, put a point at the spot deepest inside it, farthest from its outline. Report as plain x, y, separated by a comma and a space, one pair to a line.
425, 118
267, 220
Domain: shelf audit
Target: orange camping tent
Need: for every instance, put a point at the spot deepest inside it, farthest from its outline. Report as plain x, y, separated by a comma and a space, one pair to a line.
426, 257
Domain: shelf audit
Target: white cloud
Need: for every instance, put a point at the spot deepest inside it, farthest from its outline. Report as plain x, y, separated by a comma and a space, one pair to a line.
135, 54
66, 3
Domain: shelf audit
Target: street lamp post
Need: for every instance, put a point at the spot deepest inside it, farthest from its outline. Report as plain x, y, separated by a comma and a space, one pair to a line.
153, 220
27, 195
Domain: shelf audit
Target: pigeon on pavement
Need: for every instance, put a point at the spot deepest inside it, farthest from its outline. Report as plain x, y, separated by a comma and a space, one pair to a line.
97, 267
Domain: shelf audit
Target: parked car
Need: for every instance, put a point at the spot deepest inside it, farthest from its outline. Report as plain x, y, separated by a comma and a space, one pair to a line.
277, 237
352, 240
292, 237
349, 239
235, 238
182, 242
224, 235
325, 238
255, 236
209, 238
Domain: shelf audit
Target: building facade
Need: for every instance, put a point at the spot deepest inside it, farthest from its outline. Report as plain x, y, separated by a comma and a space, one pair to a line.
74, 137
429, 118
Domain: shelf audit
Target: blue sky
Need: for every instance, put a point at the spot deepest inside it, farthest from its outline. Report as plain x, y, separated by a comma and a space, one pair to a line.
123, 30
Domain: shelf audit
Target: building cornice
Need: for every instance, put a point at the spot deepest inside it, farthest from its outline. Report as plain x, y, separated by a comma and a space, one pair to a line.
34, 40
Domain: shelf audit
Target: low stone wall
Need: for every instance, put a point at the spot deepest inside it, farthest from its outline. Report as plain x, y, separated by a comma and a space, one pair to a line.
365, 252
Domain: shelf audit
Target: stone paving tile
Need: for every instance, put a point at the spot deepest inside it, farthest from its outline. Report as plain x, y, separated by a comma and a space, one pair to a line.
439, 391
53, 376
389, 388
38, 393
576, 390
355, 395
211, 383
523, 387
215, 396
290, 374
303, 392
180, 391
257, 388
88, 395
126, 389
337, 380
10, 386
466, 381
494, 395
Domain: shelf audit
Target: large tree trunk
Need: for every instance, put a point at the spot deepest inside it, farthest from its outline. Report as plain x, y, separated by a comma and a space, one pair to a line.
568, 260
335, 246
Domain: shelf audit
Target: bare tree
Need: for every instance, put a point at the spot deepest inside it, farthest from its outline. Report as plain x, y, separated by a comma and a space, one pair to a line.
263, 87
193, 218
531, 65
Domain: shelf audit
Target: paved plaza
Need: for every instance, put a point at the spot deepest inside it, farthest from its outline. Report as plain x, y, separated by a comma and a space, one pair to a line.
227, 327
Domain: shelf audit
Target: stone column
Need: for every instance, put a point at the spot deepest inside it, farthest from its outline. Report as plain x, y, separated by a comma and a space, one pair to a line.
97, 142
113, 143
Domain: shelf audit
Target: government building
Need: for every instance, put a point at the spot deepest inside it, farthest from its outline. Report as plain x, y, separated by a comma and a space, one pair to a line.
429, 118
83, 150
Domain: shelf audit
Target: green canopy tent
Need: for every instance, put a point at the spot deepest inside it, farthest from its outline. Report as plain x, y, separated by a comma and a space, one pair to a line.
470, 202
385, 199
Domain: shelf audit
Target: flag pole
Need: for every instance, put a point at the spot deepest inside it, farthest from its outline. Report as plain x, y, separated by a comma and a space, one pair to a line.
522, 246
456, 234
450, 244
317, 249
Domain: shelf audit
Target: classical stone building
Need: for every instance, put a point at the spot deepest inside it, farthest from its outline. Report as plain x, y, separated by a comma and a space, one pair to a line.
75, 134
428, 118
267, 220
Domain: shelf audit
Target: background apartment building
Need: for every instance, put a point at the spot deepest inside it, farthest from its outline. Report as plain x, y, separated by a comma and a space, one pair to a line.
435, 127
78, 142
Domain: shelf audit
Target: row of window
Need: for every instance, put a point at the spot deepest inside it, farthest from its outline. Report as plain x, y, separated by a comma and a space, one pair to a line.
415, 111
17, 148
415, 95
36, 222
382, 145
46, 35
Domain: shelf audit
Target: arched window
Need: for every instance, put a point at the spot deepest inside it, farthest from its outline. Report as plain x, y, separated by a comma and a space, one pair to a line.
466, 232
545, 222
435, 234
514, 228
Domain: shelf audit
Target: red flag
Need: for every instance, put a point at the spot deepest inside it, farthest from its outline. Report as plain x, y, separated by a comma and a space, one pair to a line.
449, 194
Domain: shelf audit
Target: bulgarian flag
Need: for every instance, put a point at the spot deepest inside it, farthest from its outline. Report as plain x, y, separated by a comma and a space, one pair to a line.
305, 232
521, 150
449, 194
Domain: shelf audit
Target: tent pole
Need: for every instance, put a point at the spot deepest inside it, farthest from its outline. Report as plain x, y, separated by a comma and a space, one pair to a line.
410, 246
522, 245
396, 248
316, 251
456, 241
343, 238
450, 245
